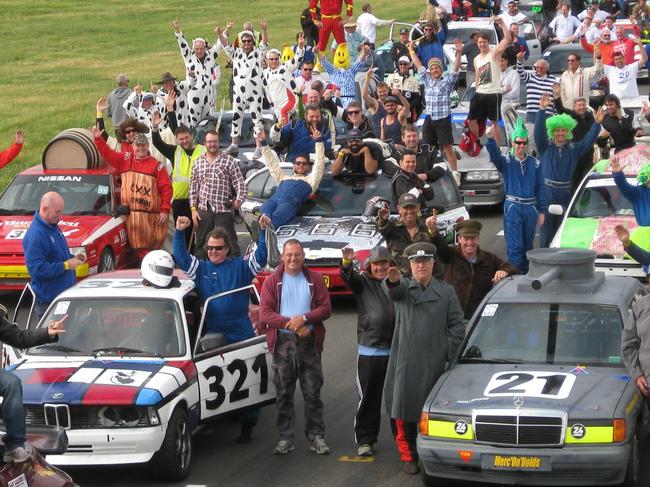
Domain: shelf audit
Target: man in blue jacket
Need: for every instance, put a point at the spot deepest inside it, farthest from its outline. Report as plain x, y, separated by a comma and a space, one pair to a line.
300, 137
50, 265
559, 157
430, 45
219, 273
525, 202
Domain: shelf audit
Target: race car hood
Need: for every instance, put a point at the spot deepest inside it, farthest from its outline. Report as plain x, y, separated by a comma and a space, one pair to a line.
143, 382
583, 392
323, 238
76, 229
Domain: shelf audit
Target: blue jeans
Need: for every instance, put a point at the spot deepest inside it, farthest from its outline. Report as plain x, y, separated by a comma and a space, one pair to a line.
13, 412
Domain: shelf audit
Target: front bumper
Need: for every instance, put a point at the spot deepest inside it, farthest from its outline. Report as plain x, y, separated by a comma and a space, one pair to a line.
110, 446
569, 465
482, 193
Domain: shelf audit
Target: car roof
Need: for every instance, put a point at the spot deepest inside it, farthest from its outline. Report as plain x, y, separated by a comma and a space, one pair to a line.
113, 284
38, 170
471, 23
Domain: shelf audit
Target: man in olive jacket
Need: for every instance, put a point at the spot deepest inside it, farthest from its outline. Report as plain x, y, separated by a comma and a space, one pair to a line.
428, 330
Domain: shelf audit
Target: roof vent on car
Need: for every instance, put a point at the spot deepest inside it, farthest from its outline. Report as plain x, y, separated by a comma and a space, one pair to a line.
567, 269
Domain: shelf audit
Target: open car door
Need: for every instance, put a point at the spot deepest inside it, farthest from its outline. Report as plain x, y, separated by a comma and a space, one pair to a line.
25, 316
234, 376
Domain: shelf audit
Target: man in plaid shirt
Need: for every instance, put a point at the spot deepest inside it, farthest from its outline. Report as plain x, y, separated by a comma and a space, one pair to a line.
216, 189
437, 95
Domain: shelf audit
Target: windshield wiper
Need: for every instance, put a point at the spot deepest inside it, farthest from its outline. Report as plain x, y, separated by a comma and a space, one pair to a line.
483, 360
122, 351
58, 348
16, 211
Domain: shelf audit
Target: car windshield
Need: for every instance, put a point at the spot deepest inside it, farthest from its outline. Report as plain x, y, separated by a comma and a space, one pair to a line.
544, 333
557, 59
464, 33
112, 326
601, 201
82, 194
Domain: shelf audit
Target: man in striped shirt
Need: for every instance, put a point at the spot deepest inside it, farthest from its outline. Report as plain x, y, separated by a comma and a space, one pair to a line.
537, 82
344, 78
216, 189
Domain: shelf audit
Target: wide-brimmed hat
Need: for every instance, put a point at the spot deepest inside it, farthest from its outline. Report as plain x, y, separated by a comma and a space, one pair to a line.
166, 77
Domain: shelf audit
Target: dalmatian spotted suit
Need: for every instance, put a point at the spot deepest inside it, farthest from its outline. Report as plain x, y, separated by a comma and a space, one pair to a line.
248, 89
201, 98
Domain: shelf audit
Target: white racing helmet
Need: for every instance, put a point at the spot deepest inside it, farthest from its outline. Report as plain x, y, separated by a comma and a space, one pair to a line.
157, 268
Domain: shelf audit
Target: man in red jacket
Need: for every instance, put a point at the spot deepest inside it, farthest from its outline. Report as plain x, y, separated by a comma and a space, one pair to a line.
11, 152
330, 20
293, 306
608, 47
146, 190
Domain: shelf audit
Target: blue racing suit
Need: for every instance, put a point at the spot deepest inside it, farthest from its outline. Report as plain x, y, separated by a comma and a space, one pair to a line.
559, 165
525, 199
228, 314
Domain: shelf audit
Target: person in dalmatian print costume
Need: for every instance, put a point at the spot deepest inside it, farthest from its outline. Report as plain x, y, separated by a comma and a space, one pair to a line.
202, 60
279, 83
248, 89
180, 104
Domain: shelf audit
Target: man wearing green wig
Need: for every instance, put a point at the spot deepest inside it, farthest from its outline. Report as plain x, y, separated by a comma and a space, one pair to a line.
559, 156
525, 202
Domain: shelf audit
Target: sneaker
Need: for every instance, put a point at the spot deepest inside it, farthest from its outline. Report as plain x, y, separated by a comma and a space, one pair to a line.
17, 455
246, 434
283, 447
365, 450
410, 468
257, 154
319, 446
232, 150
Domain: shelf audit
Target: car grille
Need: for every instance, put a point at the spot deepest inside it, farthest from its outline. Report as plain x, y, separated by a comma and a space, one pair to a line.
72, 417
515, 428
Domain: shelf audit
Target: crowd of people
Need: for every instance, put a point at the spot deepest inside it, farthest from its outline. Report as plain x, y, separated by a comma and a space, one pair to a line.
416, 290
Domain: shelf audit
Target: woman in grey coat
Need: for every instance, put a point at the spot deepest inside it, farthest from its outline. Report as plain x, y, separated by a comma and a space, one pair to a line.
428, 330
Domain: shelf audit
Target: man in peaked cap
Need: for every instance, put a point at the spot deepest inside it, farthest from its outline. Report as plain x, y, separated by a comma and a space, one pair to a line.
471, 270
427, 312
375, 325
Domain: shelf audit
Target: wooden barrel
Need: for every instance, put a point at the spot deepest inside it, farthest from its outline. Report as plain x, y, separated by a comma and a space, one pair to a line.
72, 149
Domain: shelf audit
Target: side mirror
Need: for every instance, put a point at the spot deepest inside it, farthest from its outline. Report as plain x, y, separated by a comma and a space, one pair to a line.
556, 210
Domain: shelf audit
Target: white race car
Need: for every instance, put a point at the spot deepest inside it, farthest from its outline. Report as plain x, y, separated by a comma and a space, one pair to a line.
134, 375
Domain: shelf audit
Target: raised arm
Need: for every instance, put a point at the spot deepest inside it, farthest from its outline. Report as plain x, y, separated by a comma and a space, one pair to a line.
505, 42
316, 174
365, 93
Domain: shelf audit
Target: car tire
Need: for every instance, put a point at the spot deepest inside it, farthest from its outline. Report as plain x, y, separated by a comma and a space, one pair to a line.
632, 473
172, 461
106, 261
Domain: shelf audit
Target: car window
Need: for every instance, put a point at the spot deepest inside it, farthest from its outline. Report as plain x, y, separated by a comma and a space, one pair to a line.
464, 33
83, 194
151, 326
255, 186
601, 201
546, 333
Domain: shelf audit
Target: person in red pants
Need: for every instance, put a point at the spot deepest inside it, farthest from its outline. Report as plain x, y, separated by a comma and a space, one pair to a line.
11, 152
330, 20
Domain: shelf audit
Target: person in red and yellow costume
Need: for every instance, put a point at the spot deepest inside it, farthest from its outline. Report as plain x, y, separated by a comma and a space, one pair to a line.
146, 190
330, 21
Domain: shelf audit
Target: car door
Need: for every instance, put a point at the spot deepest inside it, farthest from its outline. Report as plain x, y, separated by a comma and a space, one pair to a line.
235, 376
529, 32
25, 316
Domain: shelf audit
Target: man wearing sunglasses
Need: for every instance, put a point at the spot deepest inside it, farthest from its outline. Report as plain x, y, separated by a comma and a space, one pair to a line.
354, 157
525, 202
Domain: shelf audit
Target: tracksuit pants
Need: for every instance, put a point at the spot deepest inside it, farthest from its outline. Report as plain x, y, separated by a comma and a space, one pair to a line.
331, 23
405, 435
557, 196
519, 224
283, 206
371, 372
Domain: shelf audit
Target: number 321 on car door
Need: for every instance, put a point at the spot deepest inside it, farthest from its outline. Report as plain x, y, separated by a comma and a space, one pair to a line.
235, 379
550, 385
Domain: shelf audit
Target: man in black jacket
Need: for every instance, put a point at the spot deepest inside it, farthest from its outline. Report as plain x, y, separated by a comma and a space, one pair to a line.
375, 326
11, 390
619, 124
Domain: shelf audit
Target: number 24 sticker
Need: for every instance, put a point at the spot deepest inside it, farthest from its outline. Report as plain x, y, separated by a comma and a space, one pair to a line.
530, 383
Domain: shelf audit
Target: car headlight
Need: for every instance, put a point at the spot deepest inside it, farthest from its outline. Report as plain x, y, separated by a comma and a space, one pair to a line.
482, 176
78, 250
117, 416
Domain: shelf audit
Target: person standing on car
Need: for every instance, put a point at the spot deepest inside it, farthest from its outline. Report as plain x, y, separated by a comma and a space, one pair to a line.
215, 179
437, 96
221, 272
293, 306
50, 265
428, 330
619, 124
430, 45
471, 270
559, 156
407, 229
623, 76
525, 201
375, 325
538, 83
344, 78
278, 80
368, 24
11, 389
11, 152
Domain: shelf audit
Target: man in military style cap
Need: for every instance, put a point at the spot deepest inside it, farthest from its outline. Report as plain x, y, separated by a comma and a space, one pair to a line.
471, 270
427, 312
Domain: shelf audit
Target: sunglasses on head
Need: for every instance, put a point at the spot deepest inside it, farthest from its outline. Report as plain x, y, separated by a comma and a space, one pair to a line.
521, 142
212, 248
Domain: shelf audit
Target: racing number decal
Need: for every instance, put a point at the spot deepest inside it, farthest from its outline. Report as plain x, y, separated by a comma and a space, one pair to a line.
215, 386
533, 384
260, 365
237, 394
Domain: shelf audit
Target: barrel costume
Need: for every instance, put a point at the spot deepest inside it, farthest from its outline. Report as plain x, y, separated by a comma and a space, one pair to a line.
330, 17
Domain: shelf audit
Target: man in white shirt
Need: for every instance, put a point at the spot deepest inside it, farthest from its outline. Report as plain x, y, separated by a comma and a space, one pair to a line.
622, 77
575, 80
594, 11
588, 29
513, 15
564, 26
510, 85
367, 24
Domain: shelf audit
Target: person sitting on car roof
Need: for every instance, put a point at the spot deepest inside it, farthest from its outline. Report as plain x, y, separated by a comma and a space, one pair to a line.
355, 119
404, 231
293, 190
301, 136
11, 152
354, 157
525, 202
559, 156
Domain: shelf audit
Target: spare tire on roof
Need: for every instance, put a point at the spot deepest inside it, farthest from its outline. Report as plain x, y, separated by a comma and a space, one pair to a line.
72, 149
